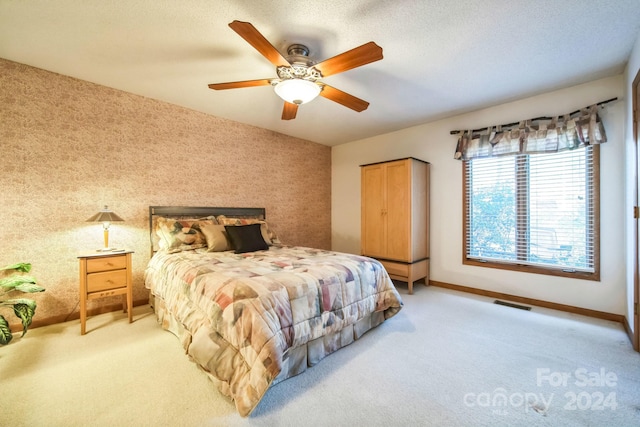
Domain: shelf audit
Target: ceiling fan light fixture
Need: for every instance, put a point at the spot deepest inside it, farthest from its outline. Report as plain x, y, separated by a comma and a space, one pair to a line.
297, 91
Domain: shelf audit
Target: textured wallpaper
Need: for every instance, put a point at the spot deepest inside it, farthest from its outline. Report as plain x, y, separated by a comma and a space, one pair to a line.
68, 147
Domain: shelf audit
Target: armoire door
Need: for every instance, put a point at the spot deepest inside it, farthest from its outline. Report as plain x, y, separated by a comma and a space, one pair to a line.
374, 233
398, 213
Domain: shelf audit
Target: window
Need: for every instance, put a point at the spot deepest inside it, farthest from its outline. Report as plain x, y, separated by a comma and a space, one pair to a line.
534, 212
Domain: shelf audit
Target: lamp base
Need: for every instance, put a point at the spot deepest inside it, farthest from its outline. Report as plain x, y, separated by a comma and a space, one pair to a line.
109, 250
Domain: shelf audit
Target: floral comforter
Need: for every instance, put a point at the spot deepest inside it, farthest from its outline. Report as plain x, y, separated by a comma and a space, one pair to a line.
243, 312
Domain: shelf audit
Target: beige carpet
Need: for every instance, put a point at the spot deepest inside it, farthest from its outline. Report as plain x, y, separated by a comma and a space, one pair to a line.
447, 359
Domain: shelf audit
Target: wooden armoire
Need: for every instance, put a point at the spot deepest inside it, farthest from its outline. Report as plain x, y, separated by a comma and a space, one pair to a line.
395, 217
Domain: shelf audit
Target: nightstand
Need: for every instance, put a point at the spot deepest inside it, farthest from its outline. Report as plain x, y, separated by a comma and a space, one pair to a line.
104, 274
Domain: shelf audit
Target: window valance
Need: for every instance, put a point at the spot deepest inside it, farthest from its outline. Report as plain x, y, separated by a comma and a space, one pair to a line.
541, 135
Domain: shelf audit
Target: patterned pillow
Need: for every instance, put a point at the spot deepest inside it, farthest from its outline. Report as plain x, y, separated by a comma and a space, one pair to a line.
216, 237
268, 234
177, 234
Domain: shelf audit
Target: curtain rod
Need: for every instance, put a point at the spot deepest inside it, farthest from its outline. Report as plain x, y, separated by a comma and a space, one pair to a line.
455, 132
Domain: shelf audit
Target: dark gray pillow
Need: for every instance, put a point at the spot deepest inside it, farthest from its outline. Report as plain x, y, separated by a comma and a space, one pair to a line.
246, 238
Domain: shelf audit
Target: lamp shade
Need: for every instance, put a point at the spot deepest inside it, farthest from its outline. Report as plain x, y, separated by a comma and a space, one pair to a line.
105, 215
297, 91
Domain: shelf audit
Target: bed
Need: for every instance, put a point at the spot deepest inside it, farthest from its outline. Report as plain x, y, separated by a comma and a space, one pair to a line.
249, 310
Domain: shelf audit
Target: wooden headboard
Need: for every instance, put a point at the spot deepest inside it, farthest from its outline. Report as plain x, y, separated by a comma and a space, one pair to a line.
199, 212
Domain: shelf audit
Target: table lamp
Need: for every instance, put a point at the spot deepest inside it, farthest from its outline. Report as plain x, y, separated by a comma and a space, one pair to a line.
106, 216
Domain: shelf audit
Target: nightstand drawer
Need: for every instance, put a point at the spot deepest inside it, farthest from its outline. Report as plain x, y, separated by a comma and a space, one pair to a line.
106, 263
106, 280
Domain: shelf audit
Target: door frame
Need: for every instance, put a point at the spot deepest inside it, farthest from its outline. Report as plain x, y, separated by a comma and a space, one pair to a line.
635, 92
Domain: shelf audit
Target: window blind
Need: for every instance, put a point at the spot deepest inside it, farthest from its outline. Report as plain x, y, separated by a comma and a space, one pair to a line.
532, 209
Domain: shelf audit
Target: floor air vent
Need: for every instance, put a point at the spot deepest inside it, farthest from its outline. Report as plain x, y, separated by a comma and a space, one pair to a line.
510, 304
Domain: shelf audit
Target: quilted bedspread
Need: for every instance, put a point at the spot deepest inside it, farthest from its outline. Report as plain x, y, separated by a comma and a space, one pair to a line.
244, 312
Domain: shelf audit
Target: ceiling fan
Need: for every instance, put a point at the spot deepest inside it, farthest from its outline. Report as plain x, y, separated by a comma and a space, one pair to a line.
299, 79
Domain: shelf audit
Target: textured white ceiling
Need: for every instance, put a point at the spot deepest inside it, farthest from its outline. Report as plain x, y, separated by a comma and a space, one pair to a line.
441, 57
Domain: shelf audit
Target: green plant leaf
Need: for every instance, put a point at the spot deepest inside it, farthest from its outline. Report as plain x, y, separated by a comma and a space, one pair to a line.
29, 288
28, 302
24, 267
23, 308
25, 311
5, 332
13, 282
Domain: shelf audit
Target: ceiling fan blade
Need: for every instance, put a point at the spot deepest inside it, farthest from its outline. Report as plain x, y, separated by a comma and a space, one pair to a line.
261, 44
235, 85
289, 111
365, 54
344, 98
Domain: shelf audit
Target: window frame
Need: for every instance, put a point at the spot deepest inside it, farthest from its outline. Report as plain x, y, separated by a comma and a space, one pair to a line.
526, 268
